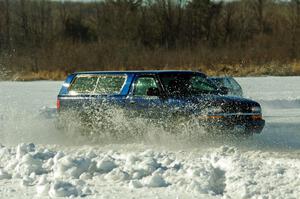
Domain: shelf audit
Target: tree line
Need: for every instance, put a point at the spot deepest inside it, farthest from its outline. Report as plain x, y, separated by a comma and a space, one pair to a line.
43, 35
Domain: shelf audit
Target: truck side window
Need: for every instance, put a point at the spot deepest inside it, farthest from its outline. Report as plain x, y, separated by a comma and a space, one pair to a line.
201, 84
97, 84
84, 84
142, 85
109, 85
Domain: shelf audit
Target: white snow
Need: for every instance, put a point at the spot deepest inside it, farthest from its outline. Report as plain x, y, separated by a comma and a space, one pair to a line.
223, 172
4, 175
39, 161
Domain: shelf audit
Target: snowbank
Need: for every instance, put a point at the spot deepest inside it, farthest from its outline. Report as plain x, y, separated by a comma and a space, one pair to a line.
225, 172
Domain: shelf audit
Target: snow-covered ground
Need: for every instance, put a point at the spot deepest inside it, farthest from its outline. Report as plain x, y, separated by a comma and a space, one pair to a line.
39, 161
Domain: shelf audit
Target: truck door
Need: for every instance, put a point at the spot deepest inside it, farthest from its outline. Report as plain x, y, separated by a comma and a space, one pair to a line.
145, 98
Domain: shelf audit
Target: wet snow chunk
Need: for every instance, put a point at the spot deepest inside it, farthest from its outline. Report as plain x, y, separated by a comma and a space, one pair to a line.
71, 167
43, 186
63, 189
155, 181
29, 165
23, 149
4, 175
106, 165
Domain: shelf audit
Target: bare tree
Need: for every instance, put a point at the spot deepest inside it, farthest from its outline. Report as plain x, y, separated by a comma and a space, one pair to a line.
228, 22
7, 24
295, 27
24, 19
259, 6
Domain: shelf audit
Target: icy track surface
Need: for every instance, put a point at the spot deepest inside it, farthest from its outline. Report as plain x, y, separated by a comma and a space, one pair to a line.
38, 161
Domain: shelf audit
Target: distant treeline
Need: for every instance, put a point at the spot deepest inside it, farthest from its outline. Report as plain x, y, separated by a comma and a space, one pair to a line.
227, 37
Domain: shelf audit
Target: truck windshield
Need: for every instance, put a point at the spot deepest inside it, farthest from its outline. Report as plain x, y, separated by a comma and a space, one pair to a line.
186, 84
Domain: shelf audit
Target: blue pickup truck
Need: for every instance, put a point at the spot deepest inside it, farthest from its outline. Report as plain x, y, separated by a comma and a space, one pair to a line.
160, 95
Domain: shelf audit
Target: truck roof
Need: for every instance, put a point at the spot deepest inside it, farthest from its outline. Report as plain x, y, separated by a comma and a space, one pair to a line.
220, 77
140, 72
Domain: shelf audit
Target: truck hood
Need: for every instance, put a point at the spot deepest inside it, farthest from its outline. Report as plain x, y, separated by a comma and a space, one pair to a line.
228, 104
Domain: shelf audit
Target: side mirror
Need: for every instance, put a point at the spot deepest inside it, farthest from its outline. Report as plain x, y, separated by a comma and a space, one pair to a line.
152, 91
223, 90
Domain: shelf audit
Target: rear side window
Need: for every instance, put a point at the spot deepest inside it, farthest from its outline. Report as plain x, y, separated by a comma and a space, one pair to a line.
110, 84
97, 84
84, 84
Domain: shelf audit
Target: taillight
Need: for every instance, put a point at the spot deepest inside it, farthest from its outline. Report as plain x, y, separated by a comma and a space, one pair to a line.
57, 104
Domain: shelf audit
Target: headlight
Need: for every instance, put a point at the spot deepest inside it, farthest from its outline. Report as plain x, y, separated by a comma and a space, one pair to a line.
256, 109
